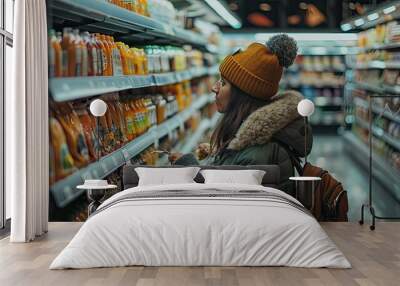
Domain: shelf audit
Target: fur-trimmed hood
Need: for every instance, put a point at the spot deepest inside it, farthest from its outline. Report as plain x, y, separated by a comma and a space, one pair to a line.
278, 120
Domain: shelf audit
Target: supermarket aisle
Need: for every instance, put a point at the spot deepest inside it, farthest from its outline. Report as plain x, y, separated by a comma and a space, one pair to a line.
328, 153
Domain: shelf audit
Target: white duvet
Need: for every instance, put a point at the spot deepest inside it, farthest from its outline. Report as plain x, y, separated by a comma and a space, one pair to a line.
200, 231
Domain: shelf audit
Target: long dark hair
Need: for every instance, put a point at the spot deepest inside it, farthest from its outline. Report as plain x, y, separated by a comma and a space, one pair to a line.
240, 106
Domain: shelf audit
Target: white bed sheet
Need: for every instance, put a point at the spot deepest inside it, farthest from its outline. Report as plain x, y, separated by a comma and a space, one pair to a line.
200, 231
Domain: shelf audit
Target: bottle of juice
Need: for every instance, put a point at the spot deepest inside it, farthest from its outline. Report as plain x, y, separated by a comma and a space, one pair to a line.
92, 54
85, 56
124, 57
139, 117
68, 61
116, 55
78, 54
55, 55
107, 56
129, 120
131, 60
100, 55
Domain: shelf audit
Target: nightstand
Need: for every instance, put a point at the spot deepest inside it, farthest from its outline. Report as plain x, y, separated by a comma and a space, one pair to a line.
95, 193
305, 190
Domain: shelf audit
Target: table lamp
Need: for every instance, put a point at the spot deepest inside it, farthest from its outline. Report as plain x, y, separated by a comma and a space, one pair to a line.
98, 108
305, 108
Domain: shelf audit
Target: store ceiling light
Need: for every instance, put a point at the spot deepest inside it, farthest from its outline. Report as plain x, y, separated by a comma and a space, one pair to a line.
345, 27
359, 22
389, 10
220, 9
373, 16
262, 37
265, 7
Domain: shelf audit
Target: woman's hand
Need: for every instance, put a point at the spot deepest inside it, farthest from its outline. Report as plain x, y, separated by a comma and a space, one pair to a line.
174, 156
203, 150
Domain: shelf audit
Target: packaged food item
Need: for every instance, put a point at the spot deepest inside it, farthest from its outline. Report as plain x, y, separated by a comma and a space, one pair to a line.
72, 127
62, 163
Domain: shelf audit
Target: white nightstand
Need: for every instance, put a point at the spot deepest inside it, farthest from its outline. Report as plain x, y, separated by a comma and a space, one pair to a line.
95, 194
305, 190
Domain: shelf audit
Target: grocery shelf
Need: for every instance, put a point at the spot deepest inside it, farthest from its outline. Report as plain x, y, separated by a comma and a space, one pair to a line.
72, 88
378, 88
377, 65
194, 139
381, 170
322, 85
64, 191
380, 47
383, 111
125, 25
379, 133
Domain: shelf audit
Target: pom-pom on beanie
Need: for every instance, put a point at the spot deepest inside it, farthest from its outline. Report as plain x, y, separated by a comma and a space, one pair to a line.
258, 69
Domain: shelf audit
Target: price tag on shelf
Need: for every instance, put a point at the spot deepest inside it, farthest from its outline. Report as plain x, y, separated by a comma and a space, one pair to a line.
126, 154
115, 161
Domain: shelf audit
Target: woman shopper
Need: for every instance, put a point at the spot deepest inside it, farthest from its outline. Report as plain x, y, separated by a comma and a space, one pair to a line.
259, 126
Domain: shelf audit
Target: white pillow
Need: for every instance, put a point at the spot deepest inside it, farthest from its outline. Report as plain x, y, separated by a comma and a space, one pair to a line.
248, 177
166, 176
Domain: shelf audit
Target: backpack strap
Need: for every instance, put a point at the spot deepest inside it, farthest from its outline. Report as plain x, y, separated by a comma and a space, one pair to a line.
296, 161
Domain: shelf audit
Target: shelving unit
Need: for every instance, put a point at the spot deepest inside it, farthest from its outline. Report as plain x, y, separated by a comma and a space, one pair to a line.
375, 79
65, 88
383, 172
319, 75
63, 192
379, 133
104, 17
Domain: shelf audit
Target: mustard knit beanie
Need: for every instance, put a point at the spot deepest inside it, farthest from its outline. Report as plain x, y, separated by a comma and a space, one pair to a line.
258, 69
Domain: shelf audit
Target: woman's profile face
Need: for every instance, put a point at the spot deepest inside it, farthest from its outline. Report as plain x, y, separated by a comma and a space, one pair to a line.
222, 89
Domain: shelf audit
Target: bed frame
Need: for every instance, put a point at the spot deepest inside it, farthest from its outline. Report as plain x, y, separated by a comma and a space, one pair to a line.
270, 179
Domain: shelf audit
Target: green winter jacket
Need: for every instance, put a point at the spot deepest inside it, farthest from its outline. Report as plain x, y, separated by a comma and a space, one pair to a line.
264, 138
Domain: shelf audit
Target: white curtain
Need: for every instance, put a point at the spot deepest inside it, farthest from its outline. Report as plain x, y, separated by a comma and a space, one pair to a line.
27, 141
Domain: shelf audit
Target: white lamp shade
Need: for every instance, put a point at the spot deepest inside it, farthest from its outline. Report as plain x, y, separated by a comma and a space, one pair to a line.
305, 107
98, 107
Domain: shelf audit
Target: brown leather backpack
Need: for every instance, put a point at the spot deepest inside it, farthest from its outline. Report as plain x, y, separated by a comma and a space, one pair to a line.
331, 203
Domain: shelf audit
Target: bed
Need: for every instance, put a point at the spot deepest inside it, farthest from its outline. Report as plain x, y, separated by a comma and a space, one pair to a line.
197, 224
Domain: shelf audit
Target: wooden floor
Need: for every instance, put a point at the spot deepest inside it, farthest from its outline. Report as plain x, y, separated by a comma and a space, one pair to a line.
375, 257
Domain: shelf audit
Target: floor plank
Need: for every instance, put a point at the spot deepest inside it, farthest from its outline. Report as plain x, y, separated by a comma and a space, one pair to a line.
375, 257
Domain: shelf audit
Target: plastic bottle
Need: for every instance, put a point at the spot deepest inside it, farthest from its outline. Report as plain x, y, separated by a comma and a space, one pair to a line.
68, 61
91, 54
100, 55
116, 55
55, 55
106, 55
124, 57
129, 120
78, 54
85, 55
